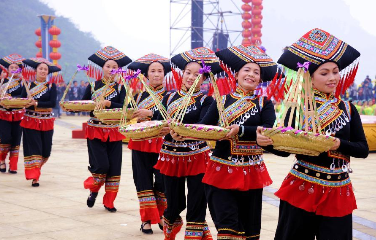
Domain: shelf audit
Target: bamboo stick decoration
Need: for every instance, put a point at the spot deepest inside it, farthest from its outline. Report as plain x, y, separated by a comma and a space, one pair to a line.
179, 115
222, 119
307, 99
123, 118
282, 113
5, 88
287, 104
185, 102
90, 82
129, 94
300, 98
316, 121
79, 68
68, 86
100, 99
27, 88
157, 101
293, 100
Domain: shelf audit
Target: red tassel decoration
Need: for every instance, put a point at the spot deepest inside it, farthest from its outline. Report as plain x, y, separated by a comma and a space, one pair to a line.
340, 84
346, 81
226, 86
271, 88
231, 78
28, 74
211, 89
281, 91
338, 88
287, 87
352, 77
177, 78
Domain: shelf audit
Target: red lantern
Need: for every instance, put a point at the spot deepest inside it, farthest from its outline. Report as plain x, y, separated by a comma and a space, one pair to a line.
246, 33
38, 32
246, 42
246, 24
246, 16
247, 1
38, 44
257, 35
256, 21
256, 31
54, 30
55, 43
258, 7
55, 55
256, 12
246, 7
39, 55
257, 2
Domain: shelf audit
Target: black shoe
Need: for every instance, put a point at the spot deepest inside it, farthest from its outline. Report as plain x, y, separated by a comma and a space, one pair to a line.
3, 170
110, 209
12, 172
91, 199
146, 231
34, 184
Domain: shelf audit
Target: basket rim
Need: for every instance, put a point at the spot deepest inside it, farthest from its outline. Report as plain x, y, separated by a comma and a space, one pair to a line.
159, 124
78, 102
112, 110
313, 145
203, 126
14, 99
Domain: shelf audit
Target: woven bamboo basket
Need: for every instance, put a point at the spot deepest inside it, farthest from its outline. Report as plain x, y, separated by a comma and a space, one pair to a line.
143, 130
14, 102
113, 115
78, 106
294, 141
200, 131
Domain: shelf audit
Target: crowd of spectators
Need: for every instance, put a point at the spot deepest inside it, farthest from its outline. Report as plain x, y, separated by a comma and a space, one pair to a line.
363, 96
75, 92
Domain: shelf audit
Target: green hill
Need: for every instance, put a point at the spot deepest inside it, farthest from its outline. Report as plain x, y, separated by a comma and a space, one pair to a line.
18, 22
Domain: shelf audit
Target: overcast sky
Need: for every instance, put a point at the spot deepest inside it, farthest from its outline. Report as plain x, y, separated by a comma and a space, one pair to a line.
123, 23
139, 27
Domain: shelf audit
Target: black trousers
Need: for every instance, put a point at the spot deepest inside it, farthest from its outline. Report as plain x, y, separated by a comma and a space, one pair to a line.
235, 213
10, 138
105, 157
177, 202
295, 223
10, 132
37, 147
149, 185
143, 171
37, 142
105, 160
